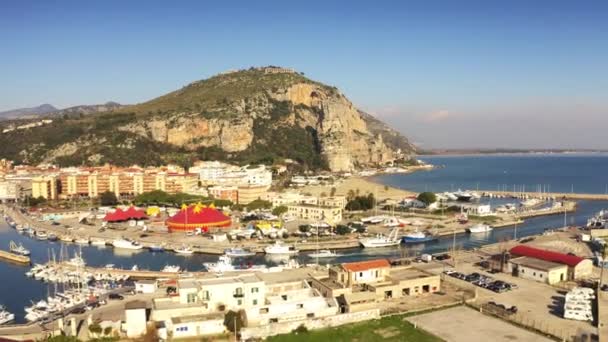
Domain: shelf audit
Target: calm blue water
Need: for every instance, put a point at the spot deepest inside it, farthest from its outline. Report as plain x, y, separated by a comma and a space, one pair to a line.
16, 290
582, 173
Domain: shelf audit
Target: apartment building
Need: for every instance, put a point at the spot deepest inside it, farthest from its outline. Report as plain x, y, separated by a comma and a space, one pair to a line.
312, 212
45, 186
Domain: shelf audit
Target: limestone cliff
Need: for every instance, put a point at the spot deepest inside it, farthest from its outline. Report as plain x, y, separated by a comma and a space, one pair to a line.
254, 115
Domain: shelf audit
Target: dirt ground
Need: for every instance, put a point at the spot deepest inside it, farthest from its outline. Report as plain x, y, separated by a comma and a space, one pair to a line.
462, 324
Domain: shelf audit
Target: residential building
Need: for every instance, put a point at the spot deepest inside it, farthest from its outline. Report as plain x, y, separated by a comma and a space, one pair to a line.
250, 193
135, 319
45, 186
331, 215
287, 198
230, 193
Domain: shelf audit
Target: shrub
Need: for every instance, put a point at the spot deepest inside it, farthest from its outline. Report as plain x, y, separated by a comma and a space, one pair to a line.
342, 229
427, 197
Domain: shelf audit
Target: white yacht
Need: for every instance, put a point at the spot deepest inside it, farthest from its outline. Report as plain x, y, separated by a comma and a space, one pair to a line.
479, 228
5, 316
382, 240
184, 250
41, 235
280, 248
224, 264
18, 249
82, 241
171, 269
98, 242
324, 253
237, 252
126, 244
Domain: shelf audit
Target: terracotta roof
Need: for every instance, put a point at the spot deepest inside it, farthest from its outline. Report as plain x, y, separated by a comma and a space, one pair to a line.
570, 260
366, 265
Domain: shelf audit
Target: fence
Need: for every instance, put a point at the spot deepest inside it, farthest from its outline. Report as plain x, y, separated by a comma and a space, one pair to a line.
538, 326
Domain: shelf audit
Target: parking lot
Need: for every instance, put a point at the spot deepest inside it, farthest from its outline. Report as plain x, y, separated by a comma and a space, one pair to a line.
538, 305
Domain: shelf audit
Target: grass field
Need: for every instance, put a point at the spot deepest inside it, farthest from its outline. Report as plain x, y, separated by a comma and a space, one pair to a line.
394, 328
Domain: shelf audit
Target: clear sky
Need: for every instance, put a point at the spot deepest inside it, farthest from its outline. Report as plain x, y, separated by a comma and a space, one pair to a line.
446, 73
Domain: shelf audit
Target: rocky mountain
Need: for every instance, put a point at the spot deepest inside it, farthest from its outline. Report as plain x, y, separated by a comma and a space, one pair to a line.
25, 113
259, 115
89, 109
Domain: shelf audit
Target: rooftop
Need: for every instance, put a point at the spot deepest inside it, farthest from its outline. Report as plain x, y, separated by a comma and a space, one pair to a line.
366, 265
408, 274
537, 264
136, 304
197, 318
570, 260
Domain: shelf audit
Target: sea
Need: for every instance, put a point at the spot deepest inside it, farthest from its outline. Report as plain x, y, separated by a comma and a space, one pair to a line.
582, 173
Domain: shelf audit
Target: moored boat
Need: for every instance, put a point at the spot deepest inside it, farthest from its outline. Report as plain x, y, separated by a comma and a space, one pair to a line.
184, 250
18, 249
280, 248
237, 252
479, 228
224, 264
5, 316
381, 240
126, 244
417, 237
324, 253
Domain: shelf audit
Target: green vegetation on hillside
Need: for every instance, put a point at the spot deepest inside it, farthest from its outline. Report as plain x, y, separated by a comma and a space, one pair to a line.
393, 328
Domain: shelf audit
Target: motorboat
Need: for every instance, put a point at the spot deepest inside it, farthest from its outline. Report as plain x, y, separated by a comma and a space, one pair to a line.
417, 237
98, 242
66, 238
21, 229
373, 219
82, 241
224, 264
5, 316
599, 220
381, 240
171, 269
126, 244
156, 248
184, 250
41, 235
53, 237
18, 249
280, 248
463, 196
324, 253
237, 252
135, 268
479, 228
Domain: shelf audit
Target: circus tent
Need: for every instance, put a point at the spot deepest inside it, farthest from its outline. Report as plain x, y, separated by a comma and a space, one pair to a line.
198, 215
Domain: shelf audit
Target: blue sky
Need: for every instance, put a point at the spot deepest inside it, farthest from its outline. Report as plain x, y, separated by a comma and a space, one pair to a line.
446, 73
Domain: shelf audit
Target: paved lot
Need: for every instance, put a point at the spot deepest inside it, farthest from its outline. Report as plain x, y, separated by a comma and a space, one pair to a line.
462, 324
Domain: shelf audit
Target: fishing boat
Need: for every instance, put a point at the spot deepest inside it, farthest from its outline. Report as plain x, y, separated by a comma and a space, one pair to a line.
21, 229
479, 228
417, 237
237, 252
224, 264
5, 316
171, 269
126, 244
381, 240
280, 248
18, 249
324, 253
184, 250
53, 237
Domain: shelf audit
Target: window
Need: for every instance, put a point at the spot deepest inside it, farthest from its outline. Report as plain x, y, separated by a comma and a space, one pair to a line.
274, 320
299, 306
264, 310
255, 302
191, 298
255, 290
360, 274
541, 275
239, 302
206, 295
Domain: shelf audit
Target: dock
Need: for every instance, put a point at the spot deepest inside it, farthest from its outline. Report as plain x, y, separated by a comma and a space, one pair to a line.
556, 195
14, 258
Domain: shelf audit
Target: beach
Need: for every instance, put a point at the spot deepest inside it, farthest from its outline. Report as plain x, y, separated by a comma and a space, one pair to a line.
360, 185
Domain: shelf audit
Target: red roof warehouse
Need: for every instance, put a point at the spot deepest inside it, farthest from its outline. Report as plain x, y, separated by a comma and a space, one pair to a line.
124, 215
577, 267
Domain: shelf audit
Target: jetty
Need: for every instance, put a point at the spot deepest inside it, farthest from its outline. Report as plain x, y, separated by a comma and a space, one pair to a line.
555, 195
14, 258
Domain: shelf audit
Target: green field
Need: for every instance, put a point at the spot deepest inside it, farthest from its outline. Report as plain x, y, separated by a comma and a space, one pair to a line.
394, 328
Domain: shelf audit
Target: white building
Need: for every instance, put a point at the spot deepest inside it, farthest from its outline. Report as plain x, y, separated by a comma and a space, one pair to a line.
135, 319
146, 286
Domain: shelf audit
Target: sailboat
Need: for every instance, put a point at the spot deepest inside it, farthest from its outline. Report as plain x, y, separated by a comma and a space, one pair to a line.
381, 240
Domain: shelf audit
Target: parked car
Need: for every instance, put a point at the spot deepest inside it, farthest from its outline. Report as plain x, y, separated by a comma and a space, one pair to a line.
78, 311
443, 257
115, 296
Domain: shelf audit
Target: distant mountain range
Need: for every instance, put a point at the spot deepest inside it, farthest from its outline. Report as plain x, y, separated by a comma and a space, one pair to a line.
47, 110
